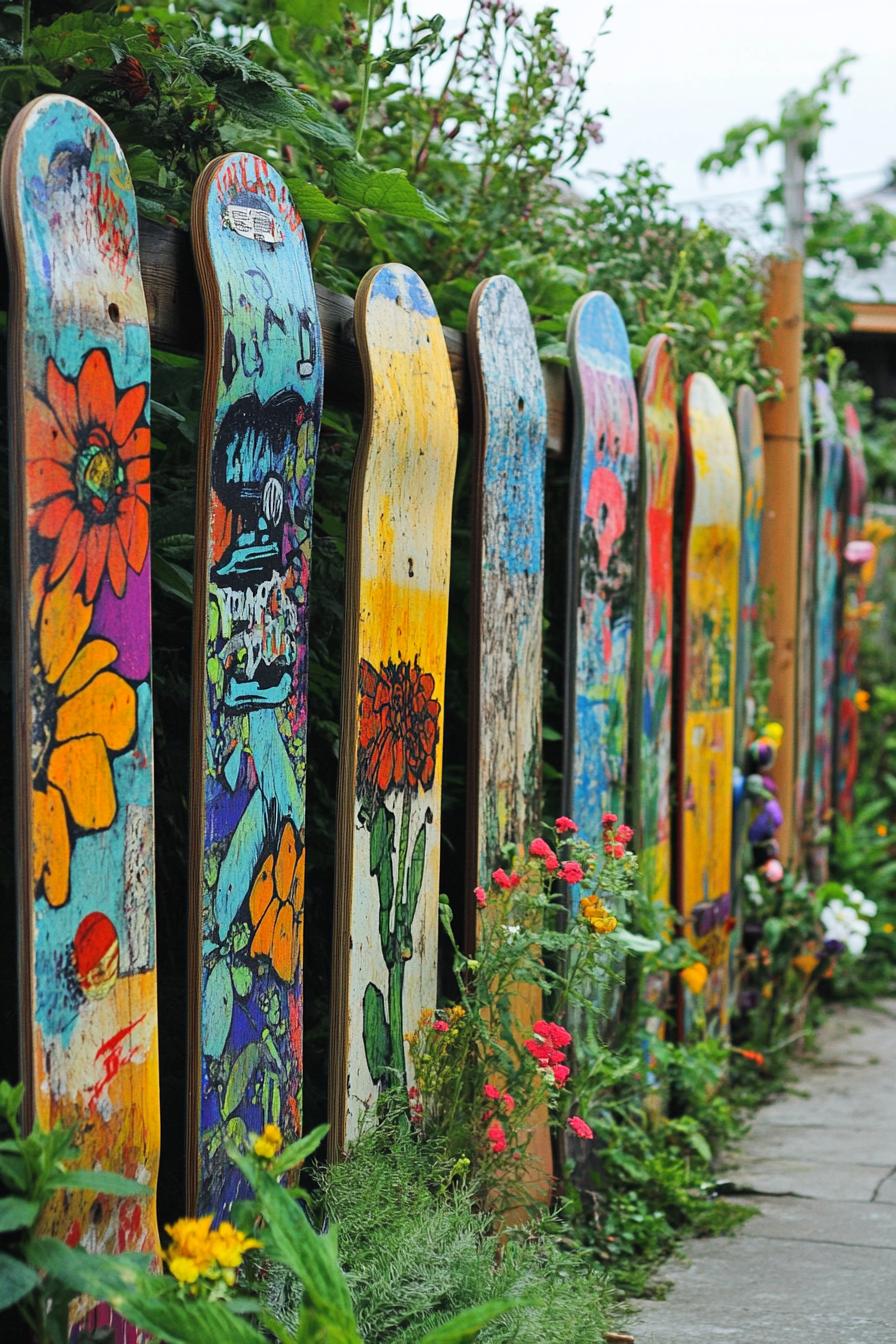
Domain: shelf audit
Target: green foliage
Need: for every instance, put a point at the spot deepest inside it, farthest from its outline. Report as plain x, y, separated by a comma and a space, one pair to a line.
415, 1249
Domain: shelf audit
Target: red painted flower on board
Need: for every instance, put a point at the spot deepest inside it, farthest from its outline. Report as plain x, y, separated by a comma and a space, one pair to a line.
88, 475
399, 727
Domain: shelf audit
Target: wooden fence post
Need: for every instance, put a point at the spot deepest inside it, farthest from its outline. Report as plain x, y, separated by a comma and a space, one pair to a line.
779, 566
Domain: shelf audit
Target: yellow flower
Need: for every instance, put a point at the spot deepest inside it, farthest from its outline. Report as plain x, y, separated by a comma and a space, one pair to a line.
881, 829
457, 1012
269, 1142
862, 701
183, 1268
695, 977
768, 990
775, 732
425, 1018
229, 1246
593, 911
889, 928
806, 962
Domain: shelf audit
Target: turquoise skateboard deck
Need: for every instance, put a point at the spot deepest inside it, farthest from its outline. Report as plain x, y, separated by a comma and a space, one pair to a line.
80, 460
806, 616
258, 448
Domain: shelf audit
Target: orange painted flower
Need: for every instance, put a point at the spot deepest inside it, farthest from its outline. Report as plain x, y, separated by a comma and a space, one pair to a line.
85, 712
275, 905
88, 475
695, 977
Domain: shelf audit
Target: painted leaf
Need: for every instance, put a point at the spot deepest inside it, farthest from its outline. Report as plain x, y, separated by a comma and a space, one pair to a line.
218, 1008
244, 1066
415, 871
376, 1033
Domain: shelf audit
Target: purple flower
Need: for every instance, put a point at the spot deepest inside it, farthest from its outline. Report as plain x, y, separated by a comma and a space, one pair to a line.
833, 947
765, 823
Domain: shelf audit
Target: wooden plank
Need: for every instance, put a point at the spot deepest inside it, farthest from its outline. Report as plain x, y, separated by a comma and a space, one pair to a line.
853, 594
780, 555
876, 319
806, 625
172, 296
258, 434
708, 676
393, 692
79, 399
506, 616
828, 544
602, 564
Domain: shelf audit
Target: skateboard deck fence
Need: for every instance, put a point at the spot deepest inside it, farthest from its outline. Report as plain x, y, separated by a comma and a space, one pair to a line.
418, 384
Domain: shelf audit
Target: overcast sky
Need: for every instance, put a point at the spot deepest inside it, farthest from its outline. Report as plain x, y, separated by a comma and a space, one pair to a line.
676, 74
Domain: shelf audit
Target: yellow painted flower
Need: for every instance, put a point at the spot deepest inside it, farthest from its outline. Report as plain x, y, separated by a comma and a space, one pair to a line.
862, 701
695, 977
269, 1142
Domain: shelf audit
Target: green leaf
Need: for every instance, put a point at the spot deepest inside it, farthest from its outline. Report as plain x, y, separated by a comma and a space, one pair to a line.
701, 1147
376, 1033
386, 190
467, 1325
16, 1213
100, 1182
173, 579
299, 1151
635, 942
244, 1066
311, 202
16, 1280
415, 872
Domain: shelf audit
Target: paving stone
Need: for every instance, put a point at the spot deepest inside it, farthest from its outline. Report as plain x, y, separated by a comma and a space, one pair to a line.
819, 1142
819, 1220
811, 1179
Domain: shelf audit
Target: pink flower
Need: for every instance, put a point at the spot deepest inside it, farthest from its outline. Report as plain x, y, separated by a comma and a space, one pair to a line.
496, 1136
493, 1093
502, 879
563, 824
440, 1026
481, 898
618, 850
773, 871
552, 863
553, 1032
624, 832
609, 819
515, 879
571, 871
540, 849
561, 1073
579, 1128
538, 1050
508, 1103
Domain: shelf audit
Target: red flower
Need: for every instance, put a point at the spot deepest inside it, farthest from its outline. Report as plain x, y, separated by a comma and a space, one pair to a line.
754, 1056
558, 1036
507, 1102
496, 1136
552, 863
440, 1026
579, 1128
88, 475
537, 1049
129, 76
493, 1093
481, 898
505, 880
398, 727
624, 833
540, 849
565, 824
618, 850
609, 819
571, 871
561, 1073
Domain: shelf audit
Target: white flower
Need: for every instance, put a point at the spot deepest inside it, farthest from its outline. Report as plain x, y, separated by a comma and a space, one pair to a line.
868, 908
512, 930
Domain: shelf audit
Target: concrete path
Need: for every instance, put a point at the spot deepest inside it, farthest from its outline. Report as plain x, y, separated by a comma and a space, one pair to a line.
817, 1265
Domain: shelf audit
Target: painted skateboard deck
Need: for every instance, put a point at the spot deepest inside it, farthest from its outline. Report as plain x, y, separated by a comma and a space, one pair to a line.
79, 451
508, 574
652, 675
710, 574
504, 761
828, 544
652, 661
750, 444
602, 564
396, 610
258, 445
806, 616
850, 622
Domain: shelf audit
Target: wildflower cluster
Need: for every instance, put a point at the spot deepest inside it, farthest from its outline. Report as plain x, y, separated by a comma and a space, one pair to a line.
845, 922
203, 1257
268, 1143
